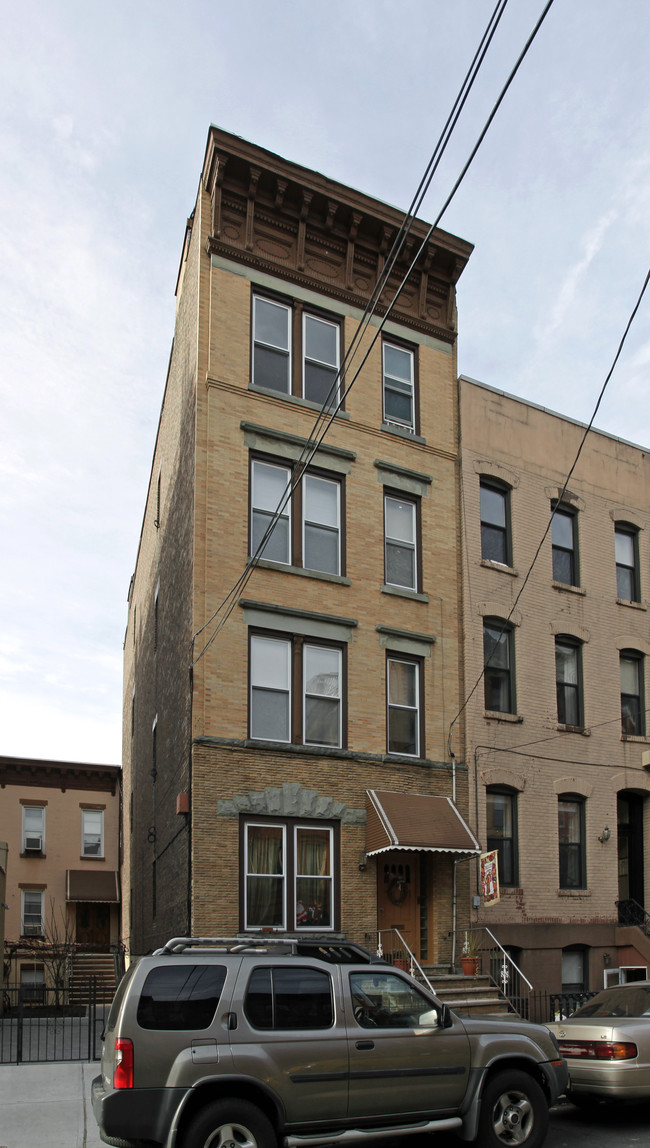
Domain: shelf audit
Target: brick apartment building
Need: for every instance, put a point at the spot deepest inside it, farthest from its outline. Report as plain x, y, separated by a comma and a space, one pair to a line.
557, 729
285, 748
60, 823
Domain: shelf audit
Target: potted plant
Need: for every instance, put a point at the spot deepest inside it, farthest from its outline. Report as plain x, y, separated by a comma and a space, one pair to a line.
471, 955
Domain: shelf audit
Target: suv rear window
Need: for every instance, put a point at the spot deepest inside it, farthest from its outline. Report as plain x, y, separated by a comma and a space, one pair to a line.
180, 996
289, 999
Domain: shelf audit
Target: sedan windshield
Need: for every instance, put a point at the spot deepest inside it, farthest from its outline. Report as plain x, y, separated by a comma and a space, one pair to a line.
622, 1000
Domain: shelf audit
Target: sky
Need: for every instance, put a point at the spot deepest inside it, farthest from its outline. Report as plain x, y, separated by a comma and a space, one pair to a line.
104, 114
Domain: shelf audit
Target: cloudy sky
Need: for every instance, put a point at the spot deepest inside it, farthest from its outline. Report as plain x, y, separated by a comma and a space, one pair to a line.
104, 113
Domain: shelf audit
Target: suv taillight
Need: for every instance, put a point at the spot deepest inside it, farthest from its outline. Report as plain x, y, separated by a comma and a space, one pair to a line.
123, 1075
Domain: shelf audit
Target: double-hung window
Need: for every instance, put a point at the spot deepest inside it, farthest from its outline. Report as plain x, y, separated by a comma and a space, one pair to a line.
568, 681
399, 386
502, 831
401, 530
299, 525
32, 922
563, 538
279, 667
295, 351
92, 832
498, 663
33, 829
495, 523
632, 693
627, 563
571, 833
404, 706
289, 877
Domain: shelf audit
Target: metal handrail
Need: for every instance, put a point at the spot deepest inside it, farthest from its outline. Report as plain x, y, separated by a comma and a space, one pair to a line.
410, 955
507, 957
630, 912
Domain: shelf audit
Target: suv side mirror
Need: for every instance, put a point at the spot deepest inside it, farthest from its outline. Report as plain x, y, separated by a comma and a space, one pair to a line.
445, 1017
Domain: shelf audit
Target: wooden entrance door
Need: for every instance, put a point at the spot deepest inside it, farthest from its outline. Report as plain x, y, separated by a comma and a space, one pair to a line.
94, 925
398, 897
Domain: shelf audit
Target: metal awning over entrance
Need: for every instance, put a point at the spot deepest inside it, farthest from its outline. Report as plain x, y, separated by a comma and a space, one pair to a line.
92, 885
416, 821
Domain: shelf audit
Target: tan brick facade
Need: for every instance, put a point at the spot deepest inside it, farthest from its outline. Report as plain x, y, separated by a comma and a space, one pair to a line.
524, 453
264, 227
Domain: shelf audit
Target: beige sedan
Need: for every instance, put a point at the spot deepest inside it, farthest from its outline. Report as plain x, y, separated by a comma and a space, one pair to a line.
606, 1044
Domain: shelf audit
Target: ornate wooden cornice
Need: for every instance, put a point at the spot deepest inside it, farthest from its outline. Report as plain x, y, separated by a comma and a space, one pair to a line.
297, 225
26, 771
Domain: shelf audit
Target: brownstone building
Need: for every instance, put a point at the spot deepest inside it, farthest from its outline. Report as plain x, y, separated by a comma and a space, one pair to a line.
60, 823
285, 747
555, 658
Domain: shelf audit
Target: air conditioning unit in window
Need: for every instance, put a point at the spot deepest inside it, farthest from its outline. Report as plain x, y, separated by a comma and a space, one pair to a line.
32, 931
34, 843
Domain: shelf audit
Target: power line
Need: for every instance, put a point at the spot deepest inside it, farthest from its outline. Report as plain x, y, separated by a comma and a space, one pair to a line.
229, 602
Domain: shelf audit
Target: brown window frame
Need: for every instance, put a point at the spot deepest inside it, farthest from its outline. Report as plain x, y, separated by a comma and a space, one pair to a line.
418, 662
416, 501
297, 310
297, 692
412, 349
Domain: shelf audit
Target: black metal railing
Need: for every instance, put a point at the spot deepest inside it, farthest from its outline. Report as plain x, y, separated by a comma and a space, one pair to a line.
630, 912
544, 1008
38, 1023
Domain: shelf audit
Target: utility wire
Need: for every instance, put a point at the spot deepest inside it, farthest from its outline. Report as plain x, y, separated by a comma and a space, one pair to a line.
557, 503
229, 602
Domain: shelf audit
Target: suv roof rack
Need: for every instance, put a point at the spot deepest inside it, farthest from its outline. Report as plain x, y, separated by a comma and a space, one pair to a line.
336, 952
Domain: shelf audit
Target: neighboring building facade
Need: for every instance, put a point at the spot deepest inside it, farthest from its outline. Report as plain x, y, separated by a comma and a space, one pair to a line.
285, 753
62, 891
557, 726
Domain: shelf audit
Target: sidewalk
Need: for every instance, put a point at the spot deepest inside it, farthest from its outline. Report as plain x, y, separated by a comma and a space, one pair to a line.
47, 1104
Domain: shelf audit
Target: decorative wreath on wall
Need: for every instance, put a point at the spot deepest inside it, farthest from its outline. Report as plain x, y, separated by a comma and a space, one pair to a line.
398, 890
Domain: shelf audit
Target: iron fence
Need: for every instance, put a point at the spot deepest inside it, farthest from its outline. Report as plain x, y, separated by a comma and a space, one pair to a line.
40, 1024
547, 1007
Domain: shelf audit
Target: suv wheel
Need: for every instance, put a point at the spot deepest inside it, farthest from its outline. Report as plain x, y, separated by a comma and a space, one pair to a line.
230, 1124
513, 1112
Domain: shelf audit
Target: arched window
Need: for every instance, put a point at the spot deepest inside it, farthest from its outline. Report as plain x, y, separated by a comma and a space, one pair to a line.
498, 666
501, 815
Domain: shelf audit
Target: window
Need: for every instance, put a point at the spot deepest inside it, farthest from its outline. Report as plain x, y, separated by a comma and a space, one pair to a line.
307, 531
92, 832
33, 829
495, 523
289, 875
399, 386
573, 970
32, 913
32, 983
274, 663
386, 1000
571, 831
568, 681
632, 693
563, 536
498, 663
627, 579
401, 529
502, 831
176, 997
404, 706
296, 998
281, 328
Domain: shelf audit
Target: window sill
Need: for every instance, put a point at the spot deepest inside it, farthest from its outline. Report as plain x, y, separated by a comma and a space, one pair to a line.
296, 399
285, 568
581, 729
641, 738
489, 564
564, 587
33, 853
632, 605
496, 715
402, 592
402, 432
511, 890
87, 857
574, 892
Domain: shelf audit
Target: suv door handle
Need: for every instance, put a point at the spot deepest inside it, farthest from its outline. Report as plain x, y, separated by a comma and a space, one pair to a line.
364, 1045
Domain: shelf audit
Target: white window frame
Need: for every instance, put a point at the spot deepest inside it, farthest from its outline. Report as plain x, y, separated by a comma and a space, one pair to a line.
335, 650
284, 689
25, 929
265, 825
33, 833
317, 927
272, 346
86, 833
410, 544
309, 318
391, 706
404, 387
